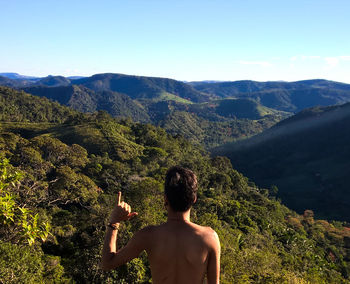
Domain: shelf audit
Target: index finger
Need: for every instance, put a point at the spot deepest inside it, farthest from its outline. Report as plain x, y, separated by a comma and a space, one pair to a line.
119, 197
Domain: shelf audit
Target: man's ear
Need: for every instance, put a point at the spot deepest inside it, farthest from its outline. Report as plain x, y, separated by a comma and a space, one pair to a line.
195, 199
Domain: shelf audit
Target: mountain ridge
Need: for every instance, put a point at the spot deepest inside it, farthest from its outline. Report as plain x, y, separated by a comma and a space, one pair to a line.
285, 96
226, 106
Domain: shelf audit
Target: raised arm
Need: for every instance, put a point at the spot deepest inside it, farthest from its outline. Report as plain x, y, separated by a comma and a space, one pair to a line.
111, 256
213, 269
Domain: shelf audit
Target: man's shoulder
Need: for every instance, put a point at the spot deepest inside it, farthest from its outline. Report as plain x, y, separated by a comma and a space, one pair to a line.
210, 237
144, 236
203, 229
147, 230
206, 232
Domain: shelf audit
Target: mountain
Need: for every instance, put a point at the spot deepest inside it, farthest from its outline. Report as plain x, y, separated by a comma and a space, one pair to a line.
16, 76
195, 83
138, 87
212, 133
214, 123
18, 106
59, 182
306, 156
53, 81
85, 100
213, 113
209, 124
48, 81
281, 96
75, 77
285, 96
234, 108
4, 81
14, 83
15, 80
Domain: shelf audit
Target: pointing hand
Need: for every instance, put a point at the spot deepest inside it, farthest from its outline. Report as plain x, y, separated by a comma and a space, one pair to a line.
121, 212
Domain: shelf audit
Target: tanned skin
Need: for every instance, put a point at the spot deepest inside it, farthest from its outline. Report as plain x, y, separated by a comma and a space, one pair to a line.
179, 251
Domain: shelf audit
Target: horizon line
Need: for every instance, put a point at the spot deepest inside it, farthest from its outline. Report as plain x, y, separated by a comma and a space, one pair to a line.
184, 81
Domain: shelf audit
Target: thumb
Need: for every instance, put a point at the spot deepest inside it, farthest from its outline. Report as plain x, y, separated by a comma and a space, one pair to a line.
133, 214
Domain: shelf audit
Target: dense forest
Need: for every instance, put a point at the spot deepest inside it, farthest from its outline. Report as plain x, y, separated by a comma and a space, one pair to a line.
60, 171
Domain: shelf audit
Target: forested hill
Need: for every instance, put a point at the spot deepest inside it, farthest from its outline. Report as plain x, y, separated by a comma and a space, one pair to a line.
53, 81
15, 80
138, 87
286, 96
306, 156
86, 100
18, 106
58, 183
209, 124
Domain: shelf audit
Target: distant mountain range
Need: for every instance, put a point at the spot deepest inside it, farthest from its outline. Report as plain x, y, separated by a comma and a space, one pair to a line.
136, 87
285, 96
306, 156
17, 76
209, 112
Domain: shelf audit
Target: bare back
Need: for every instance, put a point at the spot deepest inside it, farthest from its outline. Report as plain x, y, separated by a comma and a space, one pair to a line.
181, 252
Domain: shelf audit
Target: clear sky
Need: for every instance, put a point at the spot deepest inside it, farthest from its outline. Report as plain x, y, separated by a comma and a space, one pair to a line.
180, 39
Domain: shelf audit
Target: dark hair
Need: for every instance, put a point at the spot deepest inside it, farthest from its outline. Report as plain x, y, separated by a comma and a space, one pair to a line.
180, 188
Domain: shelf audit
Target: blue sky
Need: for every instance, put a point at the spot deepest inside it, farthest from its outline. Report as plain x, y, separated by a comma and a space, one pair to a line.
185, 40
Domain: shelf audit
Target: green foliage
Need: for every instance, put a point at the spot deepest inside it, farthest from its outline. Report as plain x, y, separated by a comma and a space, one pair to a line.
17, 222
211, 132
83, 99
72, 173
22, 107
26, 265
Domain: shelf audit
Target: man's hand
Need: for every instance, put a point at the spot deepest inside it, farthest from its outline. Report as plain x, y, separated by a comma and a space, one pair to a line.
111, 257
121, 212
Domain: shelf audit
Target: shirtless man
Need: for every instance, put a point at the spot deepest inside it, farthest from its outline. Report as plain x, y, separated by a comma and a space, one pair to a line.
179, 251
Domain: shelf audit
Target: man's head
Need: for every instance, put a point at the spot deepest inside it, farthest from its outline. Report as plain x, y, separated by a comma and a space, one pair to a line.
180, 188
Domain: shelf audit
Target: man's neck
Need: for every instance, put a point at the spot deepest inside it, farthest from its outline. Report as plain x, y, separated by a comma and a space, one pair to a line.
178, 216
